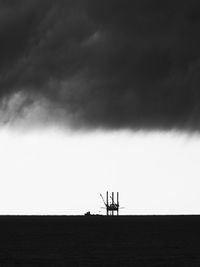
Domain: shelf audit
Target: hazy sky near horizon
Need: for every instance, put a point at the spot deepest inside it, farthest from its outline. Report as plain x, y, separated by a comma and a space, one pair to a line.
57, 172
98, 95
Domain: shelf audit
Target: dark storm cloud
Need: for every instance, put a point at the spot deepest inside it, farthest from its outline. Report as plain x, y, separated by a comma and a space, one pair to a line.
109, 64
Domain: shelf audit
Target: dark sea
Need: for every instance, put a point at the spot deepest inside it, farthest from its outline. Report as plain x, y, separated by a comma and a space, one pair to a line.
99, 241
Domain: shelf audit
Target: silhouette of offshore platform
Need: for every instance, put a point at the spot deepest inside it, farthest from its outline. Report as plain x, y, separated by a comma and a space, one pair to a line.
111, 207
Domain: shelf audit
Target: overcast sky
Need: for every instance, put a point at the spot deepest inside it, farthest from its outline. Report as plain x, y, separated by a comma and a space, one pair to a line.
98, 95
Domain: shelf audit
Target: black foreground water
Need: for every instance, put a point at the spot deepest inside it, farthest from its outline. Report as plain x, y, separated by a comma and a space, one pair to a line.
99, 241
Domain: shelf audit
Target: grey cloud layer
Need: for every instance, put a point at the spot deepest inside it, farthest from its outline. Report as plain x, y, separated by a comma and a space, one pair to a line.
110, 64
